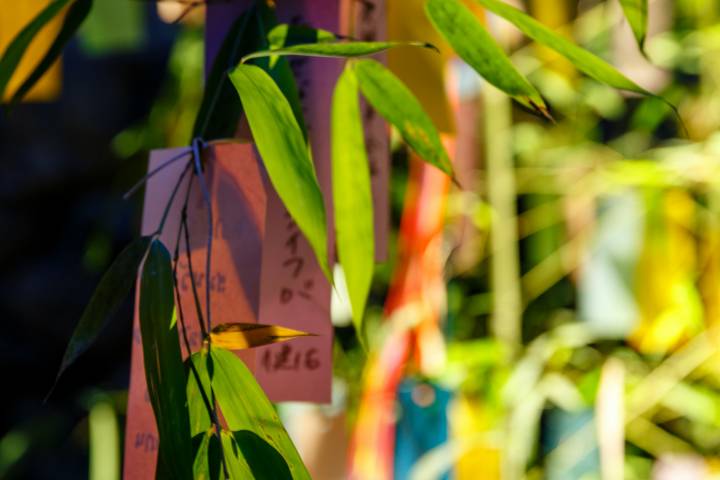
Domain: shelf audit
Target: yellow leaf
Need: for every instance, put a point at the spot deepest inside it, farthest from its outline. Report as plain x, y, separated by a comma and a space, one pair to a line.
15, 16
240, 336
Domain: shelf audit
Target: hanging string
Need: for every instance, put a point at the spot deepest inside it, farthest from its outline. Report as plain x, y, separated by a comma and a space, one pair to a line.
198, 145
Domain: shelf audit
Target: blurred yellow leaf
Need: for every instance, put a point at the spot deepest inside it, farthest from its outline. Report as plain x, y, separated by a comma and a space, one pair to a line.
16, 15
240, 336
669, 302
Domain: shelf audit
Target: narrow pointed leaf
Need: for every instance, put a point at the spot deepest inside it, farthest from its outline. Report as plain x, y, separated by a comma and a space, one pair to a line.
245, 406
396, 103
109, 295
77, 13
476, 46
636, 13
285, 154
279, 67
236, 462
352, 194
197, 409
261, 458
16, 50
241, 336
590, 64
335, 49
220, 108
164, 369
207, 464
284, 35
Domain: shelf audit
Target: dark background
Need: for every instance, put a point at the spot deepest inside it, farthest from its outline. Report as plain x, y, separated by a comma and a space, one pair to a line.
62, 220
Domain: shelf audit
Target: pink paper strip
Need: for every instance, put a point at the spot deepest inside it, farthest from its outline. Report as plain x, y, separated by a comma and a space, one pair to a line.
238, 198
294, 292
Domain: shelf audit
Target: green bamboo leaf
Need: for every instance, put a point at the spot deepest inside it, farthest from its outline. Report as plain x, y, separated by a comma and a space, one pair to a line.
15, 51
197, 410
220, 108
246, 408
583, 60
396, 103
285, 153
476, 46
352, 195
279, 67
636, 13
264, 460
207, 464
77, 13
235, 459
164, 370
284, 35
335, 49
109, 295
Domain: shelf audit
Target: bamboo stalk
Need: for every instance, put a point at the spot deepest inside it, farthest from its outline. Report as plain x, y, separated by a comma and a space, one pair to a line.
506, 319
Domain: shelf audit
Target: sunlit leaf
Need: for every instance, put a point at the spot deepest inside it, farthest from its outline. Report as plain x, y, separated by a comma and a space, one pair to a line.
285, 154
583, 60
15, 51
279, 67
636, 13
76, 15
240, 336
220, 109
207, 464
245, 406
164, 369
335, 49
236, 462
285, 35
263, 460
352, 194
396, 103
476, 46
197, 408
109, 295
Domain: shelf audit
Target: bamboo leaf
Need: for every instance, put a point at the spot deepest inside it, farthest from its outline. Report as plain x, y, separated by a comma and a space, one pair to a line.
284, 35
285, 154
279, 67
636, 13
220, 108
76, 15
245, 406
583, 60
396, 103
352, 194
109, 295
476, 46
207, 463
164, 370
16, 49
261, 458
197, 409
335, 49
236, 461
241, 336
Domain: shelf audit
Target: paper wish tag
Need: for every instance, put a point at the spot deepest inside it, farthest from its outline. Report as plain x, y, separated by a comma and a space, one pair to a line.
236, 186
294, 292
